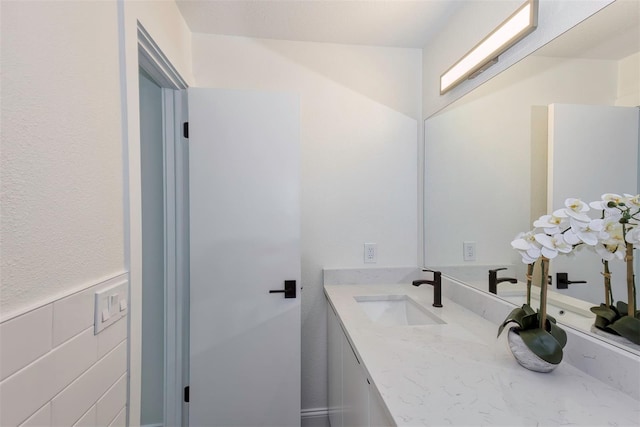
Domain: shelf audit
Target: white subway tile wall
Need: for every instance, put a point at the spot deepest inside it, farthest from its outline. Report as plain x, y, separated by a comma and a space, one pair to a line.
40, 418
55, 372
88, 419
120, 420
16, 352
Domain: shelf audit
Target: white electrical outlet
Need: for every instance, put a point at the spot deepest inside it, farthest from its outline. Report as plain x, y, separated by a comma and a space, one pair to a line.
370, 253
469, 251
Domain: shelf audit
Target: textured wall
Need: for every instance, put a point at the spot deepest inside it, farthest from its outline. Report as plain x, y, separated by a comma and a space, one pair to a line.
61, 154
359, 130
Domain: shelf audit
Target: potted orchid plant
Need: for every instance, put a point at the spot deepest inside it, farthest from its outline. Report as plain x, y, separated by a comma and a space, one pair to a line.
554, 234
616, 240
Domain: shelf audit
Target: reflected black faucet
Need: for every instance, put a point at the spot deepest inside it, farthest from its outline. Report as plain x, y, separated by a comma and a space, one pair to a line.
437, 286
493, 280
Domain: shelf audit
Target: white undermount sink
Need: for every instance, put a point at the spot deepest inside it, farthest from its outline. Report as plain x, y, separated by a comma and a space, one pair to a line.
396, 310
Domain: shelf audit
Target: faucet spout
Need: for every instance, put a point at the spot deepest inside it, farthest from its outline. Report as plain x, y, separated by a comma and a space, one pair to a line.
493, 280
436, 282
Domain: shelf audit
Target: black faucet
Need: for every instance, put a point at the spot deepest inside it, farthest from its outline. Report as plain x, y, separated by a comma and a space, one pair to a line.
493, 280
437, 286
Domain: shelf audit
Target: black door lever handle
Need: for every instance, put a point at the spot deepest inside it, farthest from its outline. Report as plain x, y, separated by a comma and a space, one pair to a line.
563, 282
289, 290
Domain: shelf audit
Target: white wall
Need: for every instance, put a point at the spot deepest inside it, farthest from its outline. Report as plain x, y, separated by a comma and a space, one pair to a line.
483, 152
474, 21
61, 162
359, 126
628, 81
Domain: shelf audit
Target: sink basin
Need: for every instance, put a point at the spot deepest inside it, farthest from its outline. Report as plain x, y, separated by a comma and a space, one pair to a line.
396, 310
562, 312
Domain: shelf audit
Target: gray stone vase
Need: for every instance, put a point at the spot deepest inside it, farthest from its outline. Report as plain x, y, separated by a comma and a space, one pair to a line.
525, 356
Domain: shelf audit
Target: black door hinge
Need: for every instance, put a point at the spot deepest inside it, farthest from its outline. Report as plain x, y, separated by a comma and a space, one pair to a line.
185, 130
186, 394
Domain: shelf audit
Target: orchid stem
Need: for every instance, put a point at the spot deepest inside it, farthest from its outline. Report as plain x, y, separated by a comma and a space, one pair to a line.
631, 291
543, 292
608, 294
529, 280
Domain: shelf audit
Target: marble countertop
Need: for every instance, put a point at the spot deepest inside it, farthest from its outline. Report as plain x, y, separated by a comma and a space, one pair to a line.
458, 373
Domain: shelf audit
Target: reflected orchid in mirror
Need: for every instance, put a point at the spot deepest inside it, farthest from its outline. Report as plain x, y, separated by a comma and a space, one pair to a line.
616, 239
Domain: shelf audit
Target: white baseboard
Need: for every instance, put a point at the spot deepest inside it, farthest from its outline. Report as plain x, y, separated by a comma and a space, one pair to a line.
315, 417
151, 425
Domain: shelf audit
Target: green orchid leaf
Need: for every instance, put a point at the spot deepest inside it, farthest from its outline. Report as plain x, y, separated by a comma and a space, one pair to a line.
604, 311
530, 321
558, 333
601, 322
516, 316
543, 344
527, 309
628, 327
612, 307
622, 308
549, 317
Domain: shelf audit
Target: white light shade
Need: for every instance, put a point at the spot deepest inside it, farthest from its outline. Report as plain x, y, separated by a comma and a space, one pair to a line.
512, 30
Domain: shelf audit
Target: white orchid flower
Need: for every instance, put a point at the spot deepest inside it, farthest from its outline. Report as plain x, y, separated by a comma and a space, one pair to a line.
576, 209
611, 229
586, 232
552, 245
611, 249
633, 236
603, 204
632, 201
550, 223
527, 246
571, 237
569, 229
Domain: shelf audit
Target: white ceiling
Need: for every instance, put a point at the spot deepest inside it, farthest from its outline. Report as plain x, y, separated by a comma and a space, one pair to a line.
611, 34
394, 23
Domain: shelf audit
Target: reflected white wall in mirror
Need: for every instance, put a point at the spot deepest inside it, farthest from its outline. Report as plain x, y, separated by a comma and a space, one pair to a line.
486, 154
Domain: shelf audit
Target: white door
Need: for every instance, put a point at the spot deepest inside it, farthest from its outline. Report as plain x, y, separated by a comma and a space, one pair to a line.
593, 150
245, 241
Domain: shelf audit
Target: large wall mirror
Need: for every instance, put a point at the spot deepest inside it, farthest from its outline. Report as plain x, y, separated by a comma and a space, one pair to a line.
563, 122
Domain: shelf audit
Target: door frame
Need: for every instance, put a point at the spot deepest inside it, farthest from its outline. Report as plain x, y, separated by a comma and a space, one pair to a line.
176, 220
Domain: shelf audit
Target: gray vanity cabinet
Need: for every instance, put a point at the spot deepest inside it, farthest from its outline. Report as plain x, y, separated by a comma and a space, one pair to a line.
335, 339
353, 400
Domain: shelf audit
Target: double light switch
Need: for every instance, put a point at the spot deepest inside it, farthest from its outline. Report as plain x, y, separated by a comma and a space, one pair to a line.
110, 306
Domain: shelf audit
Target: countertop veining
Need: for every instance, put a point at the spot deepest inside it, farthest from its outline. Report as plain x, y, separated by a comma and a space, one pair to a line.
459, 373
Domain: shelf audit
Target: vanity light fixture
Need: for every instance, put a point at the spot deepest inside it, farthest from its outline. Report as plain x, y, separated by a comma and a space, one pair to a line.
485, 54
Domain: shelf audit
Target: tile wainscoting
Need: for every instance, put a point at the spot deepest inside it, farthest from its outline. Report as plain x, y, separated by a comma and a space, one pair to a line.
55, 372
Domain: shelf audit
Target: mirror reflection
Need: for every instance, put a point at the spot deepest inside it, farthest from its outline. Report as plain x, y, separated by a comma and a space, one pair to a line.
561, 123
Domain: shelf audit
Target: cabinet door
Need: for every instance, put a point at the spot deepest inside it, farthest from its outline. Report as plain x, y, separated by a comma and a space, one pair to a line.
355, 389
378, 414
335, 338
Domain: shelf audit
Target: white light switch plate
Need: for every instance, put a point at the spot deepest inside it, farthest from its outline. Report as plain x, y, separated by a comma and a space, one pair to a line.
110, 306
